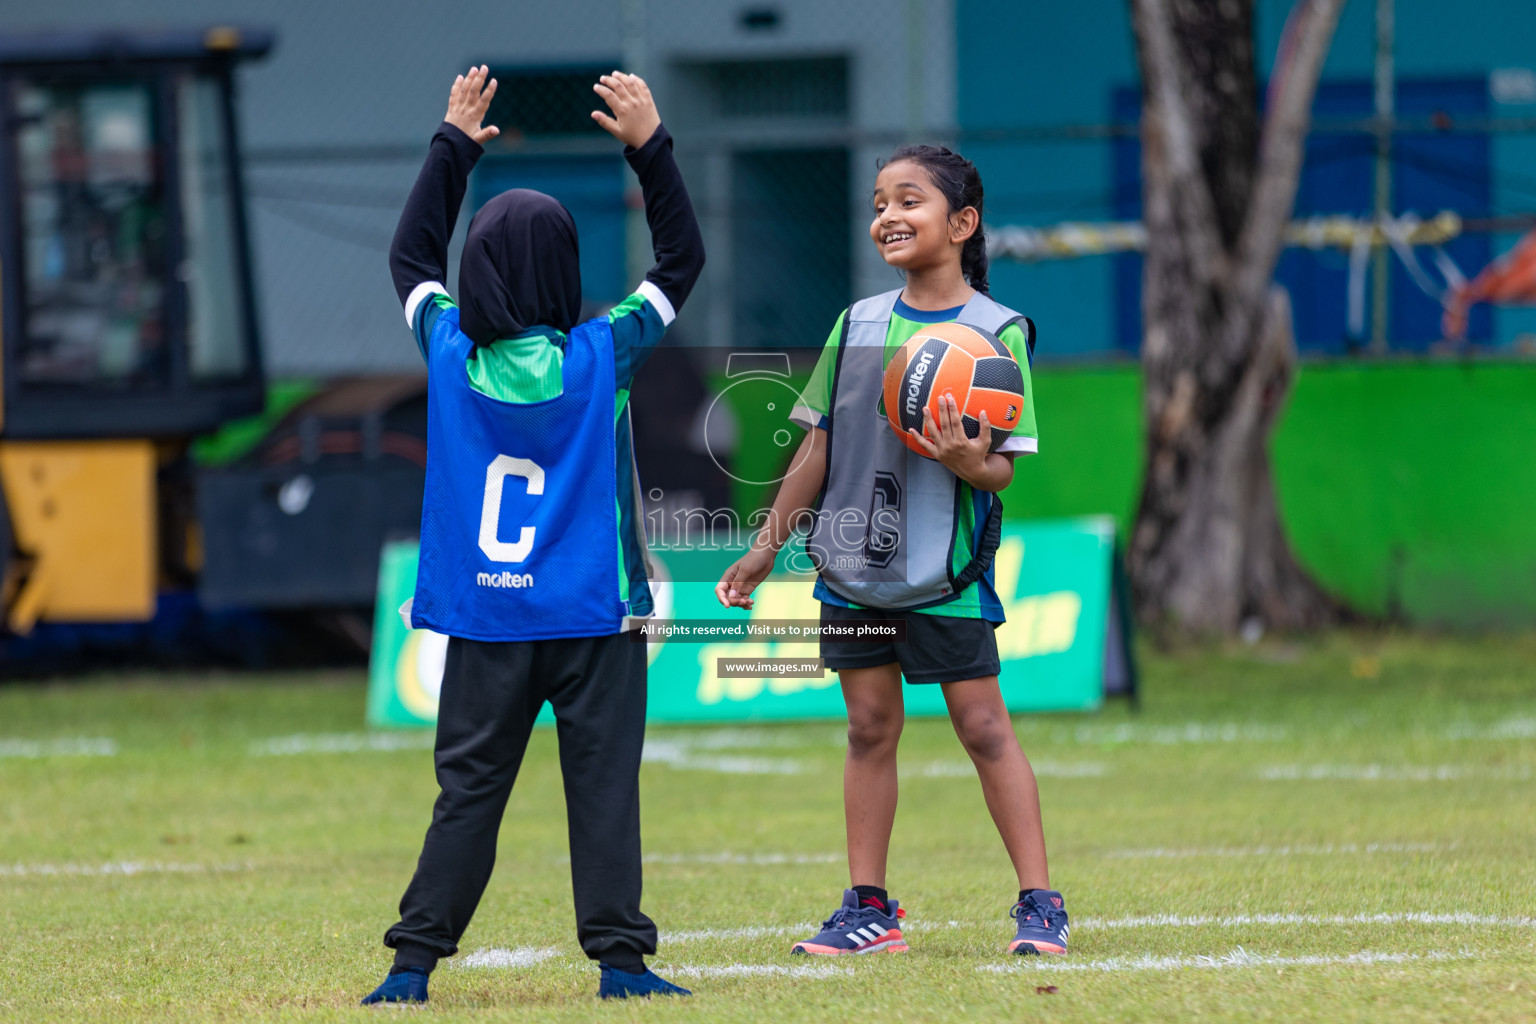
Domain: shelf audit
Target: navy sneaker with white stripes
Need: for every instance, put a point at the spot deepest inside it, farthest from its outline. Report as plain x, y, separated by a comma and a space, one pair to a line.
1043, 928
857, 927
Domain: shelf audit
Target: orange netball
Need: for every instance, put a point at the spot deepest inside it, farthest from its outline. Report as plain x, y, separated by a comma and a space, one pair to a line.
954, 359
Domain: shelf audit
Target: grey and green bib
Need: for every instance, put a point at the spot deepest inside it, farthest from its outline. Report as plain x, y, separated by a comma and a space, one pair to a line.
885, 529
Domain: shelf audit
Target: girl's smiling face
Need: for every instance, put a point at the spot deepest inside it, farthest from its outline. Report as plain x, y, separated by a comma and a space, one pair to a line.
913, 226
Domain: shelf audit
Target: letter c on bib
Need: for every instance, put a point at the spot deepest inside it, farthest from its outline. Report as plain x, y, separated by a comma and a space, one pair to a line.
501, 467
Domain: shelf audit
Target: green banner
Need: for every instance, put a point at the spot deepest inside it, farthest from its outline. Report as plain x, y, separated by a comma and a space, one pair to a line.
1055, 579
405, 668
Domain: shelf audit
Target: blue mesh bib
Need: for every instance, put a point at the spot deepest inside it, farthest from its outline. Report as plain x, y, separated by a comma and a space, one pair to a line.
519, 524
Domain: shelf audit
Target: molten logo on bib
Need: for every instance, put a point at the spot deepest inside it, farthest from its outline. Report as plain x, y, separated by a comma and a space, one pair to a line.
505, 578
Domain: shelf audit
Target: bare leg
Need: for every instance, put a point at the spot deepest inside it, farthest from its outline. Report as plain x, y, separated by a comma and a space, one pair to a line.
875, 718
981, 721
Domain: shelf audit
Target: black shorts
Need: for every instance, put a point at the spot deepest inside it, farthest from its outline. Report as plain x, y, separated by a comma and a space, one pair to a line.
938, 648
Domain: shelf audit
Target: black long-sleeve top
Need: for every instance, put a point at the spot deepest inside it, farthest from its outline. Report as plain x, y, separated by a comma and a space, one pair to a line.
418, 256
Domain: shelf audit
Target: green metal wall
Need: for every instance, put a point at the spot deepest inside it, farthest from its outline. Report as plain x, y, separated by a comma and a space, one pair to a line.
1407, 487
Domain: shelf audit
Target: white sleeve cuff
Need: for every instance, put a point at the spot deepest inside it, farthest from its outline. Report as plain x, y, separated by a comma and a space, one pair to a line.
421, 293
1020, 445
805, 416
659, 301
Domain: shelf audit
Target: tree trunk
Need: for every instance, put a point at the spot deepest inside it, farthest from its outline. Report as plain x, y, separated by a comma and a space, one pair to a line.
1208, 550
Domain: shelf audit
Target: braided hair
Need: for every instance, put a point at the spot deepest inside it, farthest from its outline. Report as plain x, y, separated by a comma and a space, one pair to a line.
960, 182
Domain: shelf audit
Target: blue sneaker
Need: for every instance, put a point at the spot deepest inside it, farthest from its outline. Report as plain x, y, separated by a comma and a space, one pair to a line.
409, 986
856, 928
617, 984
1043, 926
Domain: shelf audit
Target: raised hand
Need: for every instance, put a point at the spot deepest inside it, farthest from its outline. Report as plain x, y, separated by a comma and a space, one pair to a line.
468, 101
634, 118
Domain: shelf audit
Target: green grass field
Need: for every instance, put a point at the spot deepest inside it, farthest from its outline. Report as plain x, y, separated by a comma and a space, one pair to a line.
1337, 830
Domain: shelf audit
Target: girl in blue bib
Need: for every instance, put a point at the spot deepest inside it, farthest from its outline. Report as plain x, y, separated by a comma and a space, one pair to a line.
532, 557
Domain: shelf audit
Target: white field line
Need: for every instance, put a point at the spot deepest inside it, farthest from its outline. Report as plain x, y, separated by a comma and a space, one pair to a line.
1513, 729
743, 858
531, 956
1327, 850
756, 970
1520, 727
1170, 735
753, 932
1387, 773
734, 739
342, 743
681, 756
1149, 921
125, 868
1308, 920
1043, 769
70, 746
771, 931
522, 956
1236, 958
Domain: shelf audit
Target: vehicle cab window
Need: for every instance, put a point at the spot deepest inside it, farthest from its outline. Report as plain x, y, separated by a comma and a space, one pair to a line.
123, 246
93, 232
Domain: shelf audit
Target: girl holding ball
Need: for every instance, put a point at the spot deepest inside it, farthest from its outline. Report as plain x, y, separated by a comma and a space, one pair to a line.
929, 519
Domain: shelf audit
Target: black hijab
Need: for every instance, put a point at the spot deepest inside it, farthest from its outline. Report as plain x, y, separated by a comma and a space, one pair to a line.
520, 267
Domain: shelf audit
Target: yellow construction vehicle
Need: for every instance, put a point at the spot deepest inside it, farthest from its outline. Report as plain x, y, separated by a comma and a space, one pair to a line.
127, 314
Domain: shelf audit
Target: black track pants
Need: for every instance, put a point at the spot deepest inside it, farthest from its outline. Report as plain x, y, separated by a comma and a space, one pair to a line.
490, 696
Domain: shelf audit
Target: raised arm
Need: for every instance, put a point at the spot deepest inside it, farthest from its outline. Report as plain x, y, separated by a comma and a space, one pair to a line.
418, 256
675, 236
